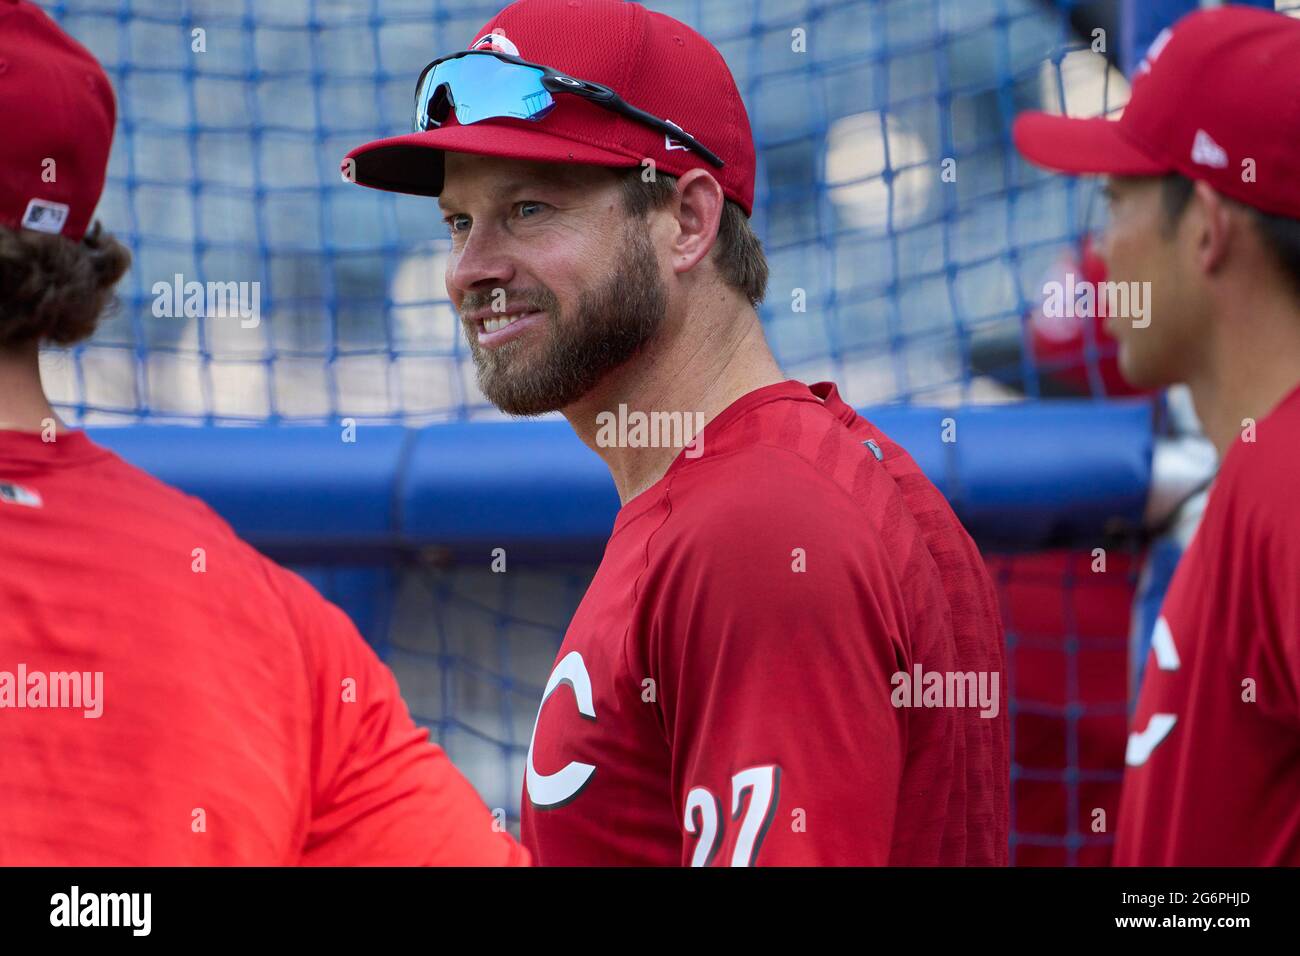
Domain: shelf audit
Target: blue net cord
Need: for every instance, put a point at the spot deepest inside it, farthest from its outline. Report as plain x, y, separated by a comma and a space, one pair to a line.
225, 169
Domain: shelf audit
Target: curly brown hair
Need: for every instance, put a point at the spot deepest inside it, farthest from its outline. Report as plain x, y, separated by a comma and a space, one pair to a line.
53, 289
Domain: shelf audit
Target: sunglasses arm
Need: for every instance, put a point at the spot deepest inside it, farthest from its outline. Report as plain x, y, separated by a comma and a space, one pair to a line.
560, 83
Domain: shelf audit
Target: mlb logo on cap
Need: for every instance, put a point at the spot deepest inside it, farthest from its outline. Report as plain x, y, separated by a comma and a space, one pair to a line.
58, 112
45, 216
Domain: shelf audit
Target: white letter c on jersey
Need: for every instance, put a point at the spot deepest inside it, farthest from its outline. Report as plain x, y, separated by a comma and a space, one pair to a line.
555, 789
1142, 744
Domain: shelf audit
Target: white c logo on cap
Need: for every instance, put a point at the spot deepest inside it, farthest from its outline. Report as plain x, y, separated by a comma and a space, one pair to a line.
496, 40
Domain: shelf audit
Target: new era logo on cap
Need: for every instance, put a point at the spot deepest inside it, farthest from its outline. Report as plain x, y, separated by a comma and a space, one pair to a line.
1207, 152
669, 142
45, 216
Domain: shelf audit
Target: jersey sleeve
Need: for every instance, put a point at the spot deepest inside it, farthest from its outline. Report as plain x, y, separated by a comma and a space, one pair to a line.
773, 638
1267, 630
382, 794
1251, 538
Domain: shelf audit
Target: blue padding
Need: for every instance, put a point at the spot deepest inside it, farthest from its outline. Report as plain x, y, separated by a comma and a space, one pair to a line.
1025, 476
287, 486
507, 482
1035, 474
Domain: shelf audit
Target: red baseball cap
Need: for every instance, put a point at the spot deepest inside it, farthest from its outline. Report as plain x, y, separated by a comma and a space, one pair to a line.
58, 113
652, 61
1216, 98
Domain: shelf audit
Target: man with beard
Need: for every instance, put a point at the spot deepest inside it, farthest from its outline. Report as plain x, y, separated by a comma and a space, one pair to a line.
742, 681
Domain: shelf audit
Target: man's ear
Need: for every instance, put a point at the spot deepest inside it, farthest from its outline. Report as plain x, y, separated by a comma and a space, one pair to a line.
698, 212
1214, 226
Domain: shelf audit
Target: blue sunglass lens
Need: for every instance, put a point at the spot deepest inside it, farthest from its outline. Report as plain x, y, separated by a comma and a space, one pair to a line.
481, 87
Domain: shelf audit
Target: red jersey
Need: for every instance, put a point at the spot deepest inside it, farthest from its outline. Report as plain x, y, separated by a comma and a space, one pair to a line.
729, 690
168, 696
1213, 759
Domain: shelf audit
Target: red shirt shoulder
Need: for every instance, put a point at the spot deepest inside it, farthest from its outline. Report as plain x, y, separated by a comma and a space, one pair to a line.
1211, 773
244, 719
725, 691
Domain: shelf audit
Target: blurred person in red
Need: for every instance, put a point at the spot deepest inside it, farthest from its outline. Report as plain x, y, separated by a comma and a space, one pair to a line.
168, 696
1205, 225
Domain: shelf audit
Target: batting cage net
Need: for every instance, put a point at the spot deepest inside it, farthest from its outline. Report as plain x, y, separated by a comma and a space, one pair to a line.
318, 392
